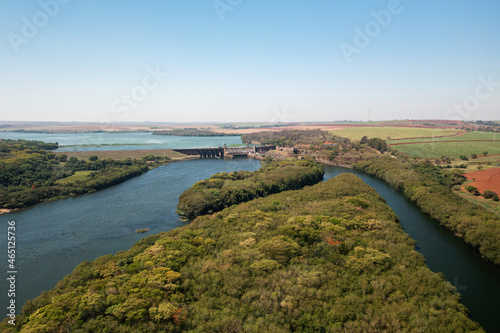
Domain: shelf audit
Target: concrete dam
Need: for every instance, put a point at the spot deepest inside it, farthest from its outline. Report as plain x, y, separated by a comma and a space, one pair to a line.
225, 152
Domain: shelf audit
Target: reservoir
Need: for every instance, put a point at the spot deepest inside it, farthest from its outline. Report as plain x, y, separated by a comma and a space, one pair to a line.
53, 238
122, 141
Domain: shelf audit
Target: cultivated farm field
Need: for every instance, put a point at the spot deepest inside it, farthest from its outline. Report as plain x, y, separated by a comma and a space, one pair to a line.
387, 133
470, 136
455, 146
450, 149
483, 180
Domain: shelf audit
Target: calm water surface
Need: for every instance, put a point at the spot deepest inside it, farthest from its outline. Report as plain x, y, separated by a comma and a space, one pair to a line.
53, 238
123, 141
477, 281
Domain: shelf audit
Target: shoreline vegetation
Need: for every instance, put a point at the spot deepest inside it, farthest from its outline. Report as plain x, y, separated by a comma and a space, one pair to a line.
329, 257
30, 173
170, 280
484, 237
430, 189
223, 190
125, 154
426, 184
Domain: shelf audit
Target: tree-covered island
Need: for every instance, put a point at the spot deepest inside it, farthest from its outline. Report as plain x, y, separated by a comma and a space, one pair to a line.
328, 258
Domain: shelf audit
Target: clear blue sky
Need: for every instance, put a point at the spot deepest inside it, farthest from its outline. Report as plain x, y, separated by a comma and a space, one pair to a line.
259, 61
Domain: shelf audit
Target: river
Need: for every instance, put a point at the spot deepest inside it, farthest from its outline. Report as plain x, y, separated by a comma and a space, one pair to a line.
53, 238
477, 281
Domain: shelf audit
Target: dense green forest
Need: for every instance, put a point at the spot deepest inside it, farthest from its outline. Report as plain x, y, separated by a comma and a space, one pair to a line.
192, 132
329, 258
430, 188
30, 173
223, 190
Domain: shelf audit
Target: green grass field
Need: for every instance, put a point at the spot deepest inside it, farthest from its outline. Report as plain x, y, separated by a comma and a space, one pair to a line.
492, 206
476, 135
450, 149
386, 133
495, 160
78, 175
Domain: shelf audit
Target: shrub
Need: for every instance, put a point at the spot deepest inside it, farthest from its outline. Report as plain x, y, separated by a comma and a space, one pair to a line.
471, 188
489, 194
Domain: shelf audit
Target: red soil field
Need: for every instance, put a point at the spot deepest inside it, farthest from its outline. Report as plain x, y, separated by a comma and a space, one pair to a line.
485, 180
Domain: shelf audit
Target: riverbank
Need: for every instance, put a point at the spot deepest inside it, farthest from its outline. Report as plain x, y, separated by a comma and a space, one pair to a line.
327, 162
332, 254
7, 211
459, 277
475, 225
57, 236
124, 154
33, 174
